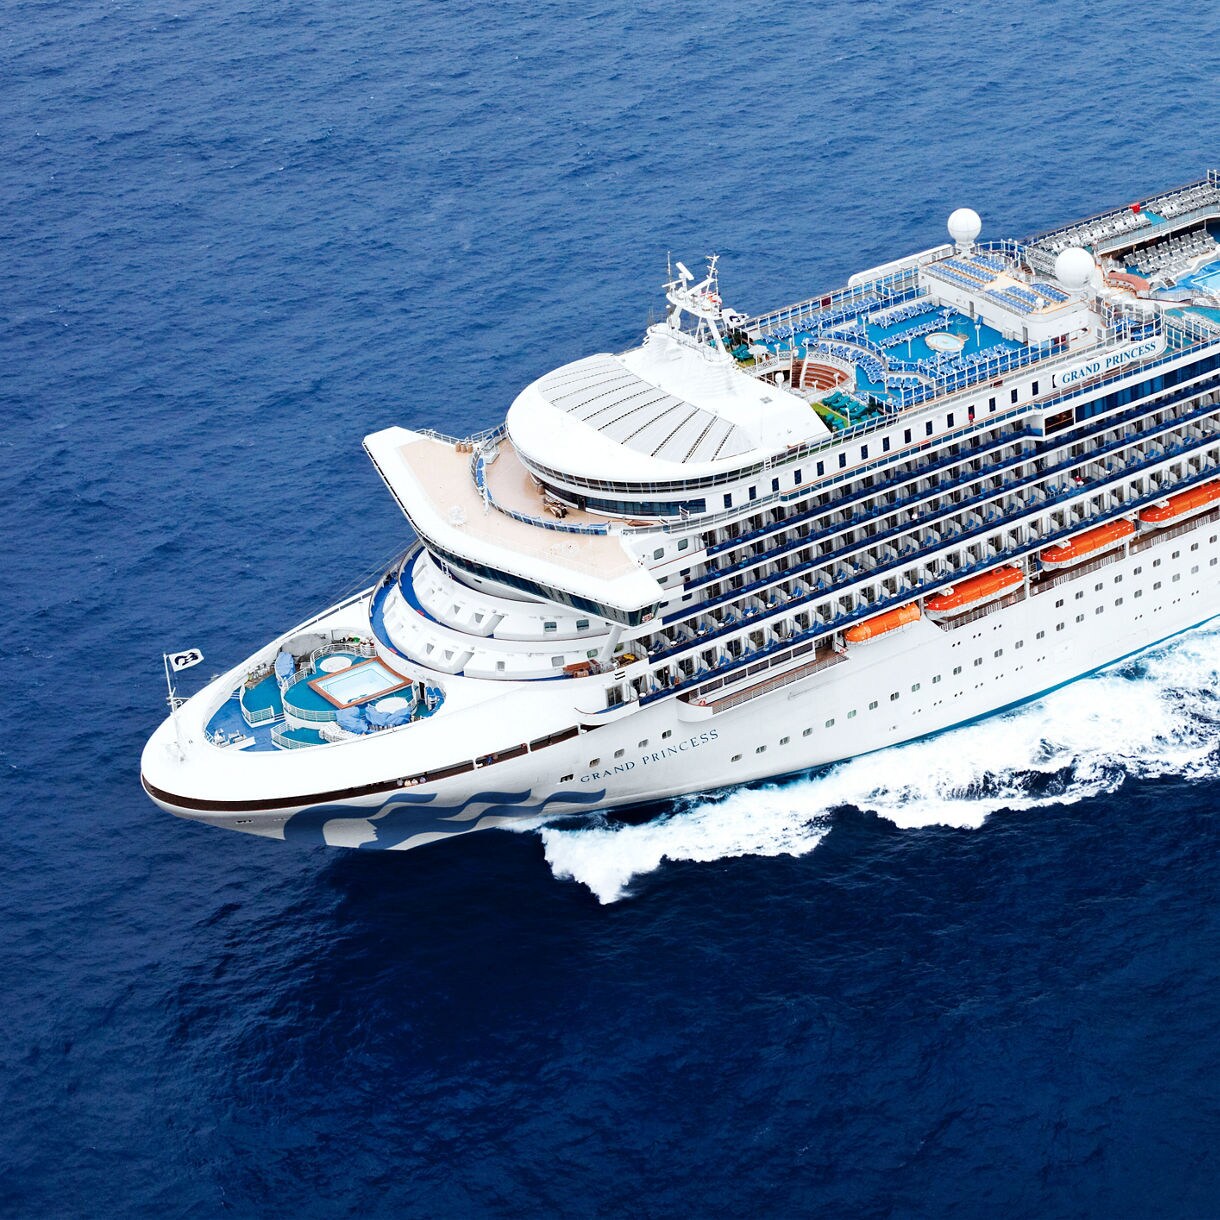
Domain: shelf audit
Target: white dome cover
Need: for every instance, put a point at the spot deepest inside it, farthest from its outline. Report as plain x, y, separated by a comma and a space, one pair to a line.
964, 225
1074, 268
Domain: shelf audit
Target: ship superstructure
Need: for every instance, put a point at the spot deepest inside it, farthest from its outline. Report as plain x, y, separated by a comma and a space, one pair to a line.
753, 545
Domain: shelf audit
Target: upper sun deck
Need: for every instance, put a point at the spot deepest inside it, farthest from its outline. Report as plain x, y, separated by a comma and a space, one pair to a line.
667, 404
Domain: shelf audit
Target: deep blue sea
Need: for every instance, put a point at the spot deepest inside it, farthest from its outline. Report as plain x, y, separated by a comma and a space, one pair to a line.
977, 976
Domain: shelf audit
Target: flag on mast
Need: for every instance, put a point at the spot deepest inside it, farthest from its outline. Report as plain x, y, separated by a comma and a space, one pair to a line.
184, 660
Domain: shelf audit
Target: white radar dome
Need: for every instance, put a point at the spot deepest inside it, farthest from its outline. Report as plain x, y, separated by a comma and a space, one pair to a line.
964, 226
1074, 268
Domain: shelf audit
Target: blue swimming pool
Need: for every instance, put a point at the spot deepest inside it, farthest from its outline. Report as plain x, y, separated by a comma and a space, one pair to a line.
360, 682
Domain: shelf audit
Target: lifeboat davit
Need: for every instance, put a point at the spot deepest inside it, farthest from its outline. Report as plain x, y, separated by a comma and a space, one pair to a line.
974, 592
1101, 538
1181, 505
891, 620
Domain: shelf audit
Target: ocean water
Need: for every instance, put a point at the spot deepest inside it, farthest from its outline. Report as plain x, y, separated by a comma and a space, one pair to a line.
975, 976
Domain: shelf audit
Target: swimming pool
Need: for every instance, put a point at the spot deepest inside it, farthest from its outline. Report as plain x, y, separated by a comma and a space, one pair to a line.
364, 681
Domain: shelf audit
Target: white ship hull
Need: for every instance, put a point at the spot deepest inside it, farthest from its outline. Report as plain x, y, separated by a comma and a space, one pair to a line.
672, 748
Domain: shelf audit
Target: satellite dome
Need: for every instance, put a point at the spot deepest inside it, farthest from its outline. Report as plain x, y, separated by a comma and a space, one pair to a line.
1074, 268
964, 226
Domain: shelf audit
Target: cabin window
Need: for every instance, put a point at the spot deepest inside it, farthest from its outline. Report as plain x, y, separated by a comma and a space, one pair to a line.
872, 707
991, 404
728, 499
949, 420
807, 733
550, 627
885, 444
851, 715
582, 624
935, 679
796, 477
842, 460
893, 696
760, 749
1156, 584
914, 688
830, 724
783, 741
1041, 635
658, 552
753, 493
775, 484
906, 436
957, 669
928, 428
863, 451
821, 468
667, 733
1013, 396
735, 758
1033, 389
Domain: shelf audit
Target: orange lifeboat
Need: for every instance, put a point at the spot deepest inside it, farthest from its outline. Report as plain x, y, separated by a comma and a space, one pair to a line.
1101, 538
975, 591
890, 620
1181, 505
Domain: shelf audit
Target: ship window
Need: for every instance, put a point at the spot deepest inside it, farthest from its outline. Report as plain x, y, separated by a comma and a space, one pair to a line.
683, 543
1059, 604
957, 669
658, 552
1079, 595
591, 653
500, 667
557, 661
1118, 580
1175, 555
1156, 563
796, 477
1194, 546
863, 451
1013, 396
1211, 563
753, 493
550, 627
760, 749
667, 733
807, 732
619, 753
1097, 587
842, 460
885, 444
991, 404
999, 652
852, 714
1118, 601
1080, 618
915, 688
872, 707
821, 468
977, 662
935, 679
783, 741
1099, 609
949, 420
1040, 636
1033, 389
1019, 644
906, 436
830, 724
1138, 593
1138, 572
643, 744
775, 484
593, 762
735, 758
1156, 584
928, 428
1175, 578
1058, 626
582, 624
728, 499
563, 779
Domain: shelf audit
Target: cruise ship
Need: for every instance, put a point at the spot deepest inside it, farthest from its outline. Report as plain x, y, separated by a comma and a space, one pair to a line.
753, 545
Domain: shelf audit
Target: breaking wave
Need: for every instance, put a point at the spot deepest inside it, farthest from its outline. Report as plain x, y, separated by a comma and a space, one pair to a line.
1154, 716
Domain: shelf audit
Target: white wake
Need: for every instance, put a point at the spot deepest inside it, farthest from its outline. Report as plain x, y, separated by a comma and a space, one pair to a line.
1156, 716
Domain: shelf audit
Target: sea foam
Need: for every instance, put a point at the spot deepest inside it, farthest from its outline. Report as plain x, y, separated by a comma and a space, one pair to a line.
1154, 716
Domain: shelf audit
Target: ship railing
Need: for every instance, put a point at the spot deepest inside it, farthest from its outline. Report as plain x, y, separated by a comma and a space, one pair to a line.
475, 440
1033, 544
698, 696
894, 283
362, 648
280, 738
